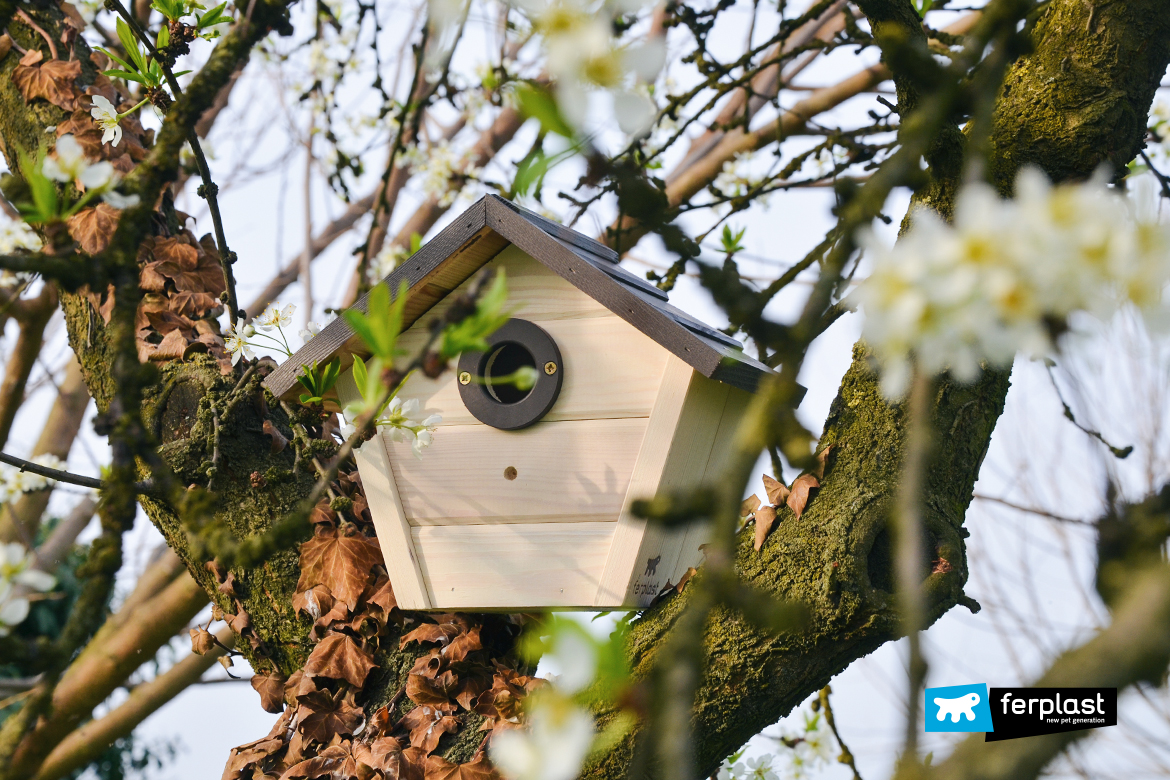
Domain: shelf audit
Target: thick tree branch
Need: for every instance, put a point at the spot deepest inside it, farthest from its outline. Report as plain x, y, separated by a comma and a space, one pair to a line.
36, 313
88, 742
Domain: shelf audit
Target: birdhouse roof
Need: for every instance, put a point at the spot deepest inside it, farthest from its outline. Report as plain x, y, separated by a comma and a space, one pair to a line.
482, 232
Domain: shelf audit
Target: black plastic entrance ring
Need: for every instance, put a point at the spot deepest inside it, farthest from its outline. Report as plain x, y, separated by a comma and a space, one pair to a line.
517, 345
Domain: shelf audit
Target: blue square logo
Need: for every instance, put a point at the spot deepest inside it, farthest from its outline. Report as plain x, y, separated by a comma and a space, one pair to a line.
958, 708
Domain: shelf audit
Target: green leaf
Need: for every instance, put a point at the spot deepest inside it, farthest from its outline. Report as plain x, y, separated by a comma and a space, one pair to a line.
214, 16
124, 74
415, 242
125, 65
360, 376
178, 73
538, 103
380, 325
163, 38
470, 334
130, 45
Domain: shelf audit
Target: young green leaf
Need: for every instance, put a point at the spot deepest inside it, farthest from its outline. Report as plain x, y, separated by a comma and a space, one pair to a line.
470, 334
538, 103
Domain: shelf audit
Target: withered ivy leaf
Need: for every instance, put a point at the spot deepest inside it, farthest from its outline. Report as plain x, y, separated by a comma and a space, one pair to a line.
323, 514
428, 665
217, 569
189, 268
202, 640
228, 586
749, 505
383, 596
52, 80
802, 489
335, 762
471, 686
341, 563
412, 766
440, 689
337, 656
193, 304
430, 632
279, 442
777, 493
458, 648
326, 717
249, 754
822, 460
383, 754
241, 623
314, 602
438, 768
94, 227
765, 518
271, 690
426, 735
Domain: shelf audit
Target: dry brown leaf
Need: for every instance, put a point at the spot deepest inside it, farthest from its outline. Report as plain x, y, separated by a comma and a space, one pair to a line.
458, 648
228, 586
52, 80
682, 583
341, 563
326, 717
383, 596
941, 566
822, 460
777, 493
5, 45
94, 227
383, 754
338, 656
802, 489
193, 304
247, 755
202, 640
428, 665
765, 518
335, 762
423, 689
429, 729
241, 623
314, 602
174, 346
438, 768
279, 442
749, 505
271, 690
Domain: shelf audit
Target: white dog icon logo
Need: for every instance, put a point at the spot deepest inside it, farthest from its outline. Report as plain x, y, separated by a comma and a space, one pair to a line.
954, 707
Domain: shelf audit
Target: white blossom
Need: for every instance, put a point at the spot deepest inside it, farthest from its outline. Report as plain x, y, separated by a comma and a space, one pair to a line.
237, 341
16, 570
70, 165
275, 317
14, 482
120, 201
1007, 275
406, 424
310, 330
552, 746
106, 117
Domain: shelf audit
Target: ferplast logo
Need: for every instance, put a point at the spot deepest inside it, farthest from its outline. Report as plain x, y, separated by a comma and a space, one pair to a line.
1012, 713
958, 708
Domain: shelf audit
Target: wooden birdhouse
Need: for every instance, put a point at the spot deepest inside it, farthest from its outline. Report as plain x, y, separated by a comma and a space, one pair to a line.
523, 499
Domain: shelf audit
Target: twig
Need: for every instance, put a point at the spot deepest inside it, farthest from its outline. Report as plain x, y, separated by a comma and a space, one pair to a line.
1034, 511
1119, 453
28, 20
65, 476
846, 756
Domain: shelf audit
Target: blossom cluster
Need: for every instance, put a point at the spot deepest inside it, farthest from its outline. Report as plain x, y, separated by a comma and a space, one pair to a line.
16, 237
441, 168
800, 754
14, 482
17, 578
1007, 276
71, 165
269, 325
558, 732
406, 423
583, 55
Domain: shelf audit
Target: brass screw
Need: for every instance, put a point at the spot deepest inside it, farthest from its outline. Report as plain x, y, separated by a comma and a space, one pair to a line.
464, 378
550, 368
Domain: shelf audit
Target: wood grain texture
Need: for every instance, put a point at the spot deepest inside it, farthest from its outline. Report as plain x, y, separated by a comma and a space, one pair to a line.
513, 566
386, 510
579, 467
674, 455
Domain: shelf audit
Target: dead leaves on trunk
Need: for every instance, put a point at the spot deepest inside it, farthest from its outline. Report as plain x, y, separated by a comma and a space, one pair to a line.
796, 498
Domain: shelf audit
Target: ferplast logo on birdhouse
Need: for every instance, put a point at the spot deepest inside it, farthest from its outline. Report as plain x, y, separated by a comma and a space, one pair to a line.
958, 708
590, 391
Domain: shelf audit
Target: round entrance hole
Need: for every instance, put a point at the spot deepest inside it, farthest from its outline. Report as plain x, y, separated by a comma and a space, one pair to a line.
502, 363
486, 379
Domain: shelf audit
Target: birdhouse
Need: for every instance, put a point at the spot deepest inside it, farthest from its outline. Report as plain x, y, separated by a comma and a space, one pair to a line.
523, 499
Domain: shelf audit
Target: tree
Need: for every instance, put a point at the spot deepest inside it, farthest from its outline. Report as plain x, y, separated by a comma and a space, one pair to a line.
237, 483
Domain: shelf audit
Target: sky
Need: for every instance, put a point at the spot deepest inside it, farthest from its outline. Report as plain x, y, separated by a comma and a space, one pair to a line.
1033, 575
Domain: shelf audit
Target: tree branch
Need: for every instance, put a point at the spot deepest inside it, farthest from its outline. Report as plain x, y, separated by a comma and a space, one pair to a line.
37, 313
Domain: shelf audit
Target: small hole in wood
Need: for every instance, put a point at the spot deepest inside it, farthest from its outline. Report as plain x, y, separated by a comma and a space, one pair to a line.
510, 472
